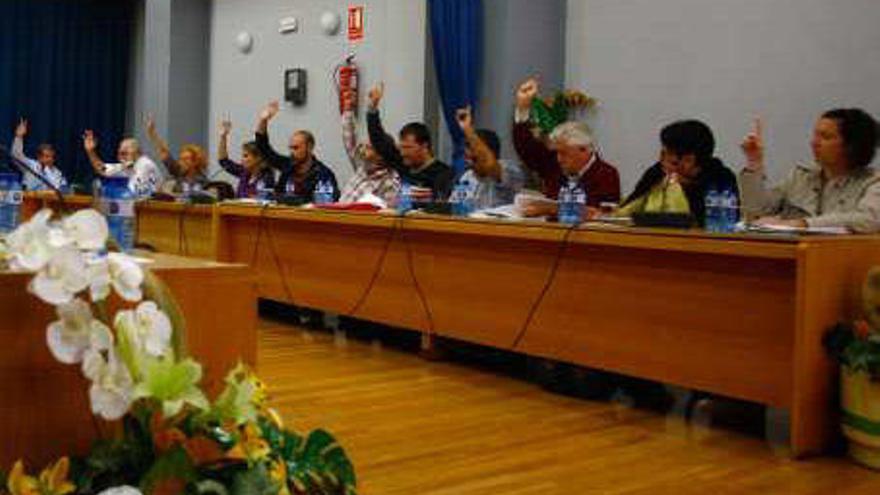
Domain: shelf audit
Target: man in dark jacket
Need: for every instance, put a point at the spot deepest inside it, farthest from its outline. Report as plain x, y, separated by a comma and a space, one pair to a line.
414, 157
301, 172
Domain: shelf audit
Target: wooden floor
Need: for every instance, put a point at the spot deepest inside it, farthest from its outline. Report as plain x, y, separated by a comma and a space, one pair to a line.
418, 427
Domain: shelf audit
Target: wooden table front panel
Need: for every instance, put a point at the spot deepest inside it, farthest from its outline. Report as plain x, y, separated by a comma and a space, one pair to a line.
718, 323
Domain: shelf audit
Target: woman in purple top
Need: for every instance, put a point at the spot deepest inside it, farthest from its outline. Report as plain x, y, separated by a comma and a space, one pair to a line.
253, 173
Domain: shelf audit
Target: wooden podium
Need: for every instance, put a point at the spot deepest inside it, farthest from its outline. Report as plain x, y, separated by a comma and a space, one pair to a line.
44, 406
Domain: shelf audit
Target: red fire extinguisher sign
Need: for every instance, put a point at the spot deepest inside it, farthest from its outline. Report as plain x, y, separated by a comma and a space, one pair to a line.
355, 22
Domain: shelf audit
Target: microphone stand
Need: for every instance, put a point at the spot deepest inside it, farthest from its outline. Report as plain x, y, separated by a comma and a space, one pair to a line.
23, 168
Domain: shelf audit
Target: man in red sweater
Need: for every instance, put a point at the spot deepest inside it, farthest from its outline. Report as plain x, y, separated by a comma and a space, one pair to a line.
570, 156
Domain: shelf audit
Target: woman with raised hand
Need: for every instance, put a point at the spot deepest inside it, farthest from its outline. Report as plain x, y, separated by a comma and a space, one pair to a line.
188, 171
839, 189
253, 173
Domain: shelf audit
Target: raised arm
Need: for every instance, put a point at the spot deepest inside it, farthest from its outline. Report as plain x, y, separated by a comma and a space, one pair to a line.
261, 136
349, 132
90, 144
485, 162
531, 150
156, 140
757, 198
381, 141
228, 165
21, 131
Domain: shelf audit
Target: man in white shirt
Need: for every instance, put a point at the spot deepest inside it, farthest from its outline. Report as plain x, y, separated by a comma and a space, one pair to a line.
144, 176
44, 165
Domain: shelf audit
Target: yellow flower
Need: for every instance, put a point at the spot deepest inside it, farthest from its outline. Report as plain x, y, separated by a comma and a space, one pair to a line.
53, 480
278, 474
251, 445
21, 484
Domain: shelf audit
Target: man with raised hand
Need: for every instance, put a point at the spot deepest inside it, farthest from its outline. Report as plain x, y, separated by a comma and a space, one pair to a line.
45, 165
569, 156
492, 181
144, 176
413, 157
301, 171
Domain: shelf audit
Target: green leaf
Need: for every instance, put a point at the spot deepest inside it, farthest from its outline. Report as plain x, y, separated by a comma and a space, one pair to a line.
174, 464
320, 464
236, 403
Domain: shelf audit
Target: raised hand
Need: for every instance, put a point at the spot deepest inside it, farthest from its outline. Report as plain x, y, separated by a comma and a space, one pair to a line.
90, 142
376, 94
270, 111
465, 118
753, 147
21, 129
527, 92
150, 124
225, 127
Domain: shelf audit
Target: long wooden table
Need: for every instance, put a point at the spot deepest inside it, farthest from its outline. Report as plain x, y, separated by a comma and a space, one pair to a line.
44, 410
738, 315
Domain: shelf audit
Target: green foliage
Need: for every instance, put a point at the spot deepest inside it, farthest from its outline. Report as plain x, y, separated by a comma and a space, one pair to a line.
122, 461
548, 117
173, 465
858, 353
316, 465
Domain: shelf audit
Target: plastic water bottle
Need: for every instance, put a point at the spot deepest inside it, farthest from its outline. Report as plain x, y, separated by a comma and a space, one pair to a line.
10, 201
462, 202
730, 211
572, 200
263, 193
290, 187
185, 192
713, 211
404, 198
117, 202
323, 192
578, 202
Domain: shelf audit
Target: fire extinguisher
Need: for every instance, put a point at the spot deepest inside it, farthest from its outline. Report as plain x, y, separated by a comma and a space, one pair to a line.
347, 81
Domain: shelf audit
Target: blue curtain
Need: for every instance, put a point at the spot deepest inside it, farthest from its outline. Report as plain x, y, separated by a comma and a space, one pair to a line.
64, 66
457, 36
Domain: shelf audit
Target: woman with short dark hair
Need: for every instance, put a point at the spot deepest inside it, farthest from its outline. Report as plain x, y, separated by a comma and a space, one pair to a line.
687, 165
839, 190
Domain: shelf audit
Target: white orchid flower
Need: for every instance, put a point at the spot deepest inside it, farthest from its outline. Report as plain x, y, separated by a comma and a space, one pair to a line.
70, 337
28, 246
119, 271
112, 388
86, 229
62, 278
147, 328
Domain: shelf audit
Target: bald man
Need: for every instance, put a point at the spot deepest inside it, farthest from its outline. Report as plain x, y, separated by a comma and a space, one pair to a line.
144, 176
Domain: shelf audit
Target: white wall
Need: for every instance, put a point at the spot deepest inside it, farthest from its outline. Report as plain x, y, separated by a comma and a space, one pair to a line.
654, 61
240, 85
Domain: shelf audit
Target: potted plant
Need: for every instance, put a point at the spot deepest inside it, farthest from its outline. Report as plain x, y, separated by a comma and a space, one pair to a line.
172, 438
856, 346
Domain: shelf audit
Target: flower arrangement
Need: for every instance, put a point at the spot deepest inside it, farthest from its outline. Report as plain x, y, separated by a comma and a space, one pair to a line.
173, 438
856, 345
549, 112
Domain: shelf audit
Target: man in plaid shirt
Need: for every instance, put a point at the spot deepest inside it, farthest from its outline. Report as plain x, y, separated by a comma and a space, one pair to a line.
371, 175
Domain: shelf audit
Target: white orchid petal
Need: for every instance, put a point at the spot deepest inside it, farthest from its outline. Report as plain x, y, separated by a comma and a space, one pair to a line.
88, 229
50, 290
